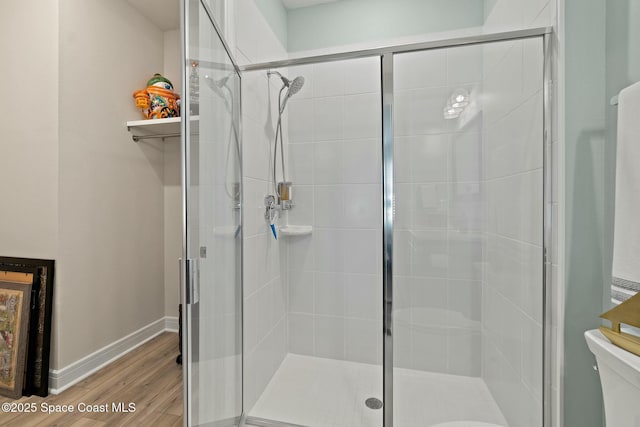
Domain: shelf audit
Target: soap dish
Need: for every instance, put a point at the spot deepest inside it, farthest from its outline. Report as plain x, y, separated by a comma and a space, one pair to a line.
295, 230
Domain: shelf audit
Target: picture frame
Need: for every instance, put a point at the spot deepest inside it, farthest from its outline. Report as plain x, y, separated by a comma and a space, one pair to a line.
39, 347
26, 276
15, 299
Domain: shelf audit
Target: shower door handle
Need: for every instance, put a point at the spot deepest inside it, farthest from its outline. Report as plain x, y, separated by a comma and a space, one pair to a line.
388, 319
189, 271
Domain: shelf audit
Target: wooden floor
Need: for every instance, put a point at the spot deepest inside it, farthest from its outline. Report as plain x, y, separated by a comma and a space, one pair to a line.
148, 377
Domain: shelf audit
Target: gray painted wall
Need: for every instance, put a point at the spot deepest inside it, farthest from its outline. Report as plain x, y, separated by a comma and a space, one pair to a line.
603, 57
587, 244
353, 21
276, 15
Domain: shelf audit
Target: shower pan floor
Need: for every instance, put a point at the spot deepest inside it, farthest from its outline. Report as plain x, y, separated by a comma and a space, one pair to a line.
316, 392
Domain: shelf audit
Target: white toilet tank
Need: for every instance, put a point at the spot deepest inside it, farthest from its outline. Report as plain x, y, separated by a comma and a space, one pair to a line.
620, 378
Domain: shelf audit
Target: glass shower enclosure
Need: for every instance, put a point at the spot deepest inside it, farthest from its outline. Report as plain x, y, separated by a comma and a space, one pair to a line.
420, 297
211, 270
467, 281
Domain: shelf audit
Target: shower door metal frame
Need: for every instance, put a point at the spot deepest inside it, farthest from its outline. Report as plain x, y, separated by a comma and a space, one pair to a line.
549, 46
388, 198
388, 213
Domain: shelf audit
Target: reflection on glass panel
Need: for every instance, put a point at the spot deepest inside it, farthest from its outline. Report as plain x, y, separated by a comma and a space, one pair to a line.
214, 225
218, 9
468, 251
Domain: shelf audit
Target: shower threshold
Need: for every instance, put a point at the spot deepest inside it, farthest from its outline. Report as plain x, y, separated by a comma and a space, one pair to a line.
261, 422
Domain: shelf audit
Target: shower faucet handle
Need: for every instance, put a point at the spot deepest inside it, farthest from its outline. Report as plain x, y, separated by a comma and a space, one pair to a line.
270, 206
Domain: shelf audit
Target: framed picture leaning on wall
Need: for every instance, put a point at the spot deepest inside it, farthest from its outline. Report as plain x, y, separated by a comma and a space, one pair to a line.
14, 326
39, 346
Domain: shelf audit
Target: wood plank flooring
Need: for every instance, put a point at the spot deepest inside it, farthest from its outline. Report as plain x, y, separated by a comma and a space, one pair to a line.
147, 377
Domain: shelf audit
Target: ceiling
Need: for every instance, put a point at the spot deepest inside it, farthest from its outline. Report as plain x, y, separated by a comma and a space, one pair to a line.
296, 4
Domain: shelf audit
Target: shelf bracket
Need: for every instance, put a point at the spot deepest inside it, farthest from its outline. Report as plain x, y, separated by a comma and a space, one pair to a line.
137, 138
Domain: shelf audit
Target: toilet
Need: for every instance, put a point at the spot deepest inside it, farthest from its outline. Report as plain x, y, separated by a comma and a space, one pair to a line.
620, 379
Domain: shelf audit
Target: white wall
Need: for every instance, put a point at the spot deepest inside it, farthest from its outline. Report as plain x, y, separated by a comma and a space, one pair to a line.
334, 275
29, 124
265, 321
110, 263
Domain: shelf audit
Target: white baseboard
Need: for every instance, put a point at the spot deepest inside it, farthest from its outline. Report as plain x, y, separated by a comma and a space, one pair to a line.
62, 379
171, 324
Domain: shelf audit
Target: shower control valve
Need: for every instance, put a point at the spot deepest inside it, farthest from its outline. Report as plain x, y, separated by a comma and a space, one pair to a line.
270, 207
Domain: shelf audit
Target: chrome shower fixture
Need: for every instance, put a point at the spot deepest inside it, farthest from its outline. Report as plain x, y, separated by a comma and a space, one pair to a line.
294, 86
282, 189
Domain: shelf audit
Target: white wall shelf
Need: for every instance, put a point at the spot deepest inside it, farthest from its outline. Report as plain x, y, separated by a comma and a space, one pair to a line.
159, 128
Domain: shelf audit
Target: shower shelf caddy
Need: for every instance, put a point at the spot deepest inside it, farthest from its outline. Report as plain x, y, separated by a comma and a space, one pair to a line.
295, 230
159, 128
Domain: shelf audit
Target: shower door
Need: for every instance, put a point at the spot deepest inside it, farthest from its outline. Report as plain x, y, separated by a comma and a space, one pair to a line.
467, 238
211, 273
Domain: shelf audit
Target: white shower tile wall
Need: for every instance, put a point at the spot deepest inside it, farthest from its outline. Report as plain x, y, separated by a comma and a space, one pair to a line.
264, 282
438, 237
334, 157
265, 295
512, 300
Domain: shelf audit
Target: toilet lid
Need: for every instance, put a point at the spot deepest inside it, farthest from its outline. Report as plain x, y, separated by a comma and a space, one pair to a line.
466, 424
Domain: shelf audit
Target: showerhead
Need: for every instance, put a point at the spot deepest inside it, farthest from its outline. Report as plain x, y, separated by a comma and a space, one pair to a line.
285, 80
295, 86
